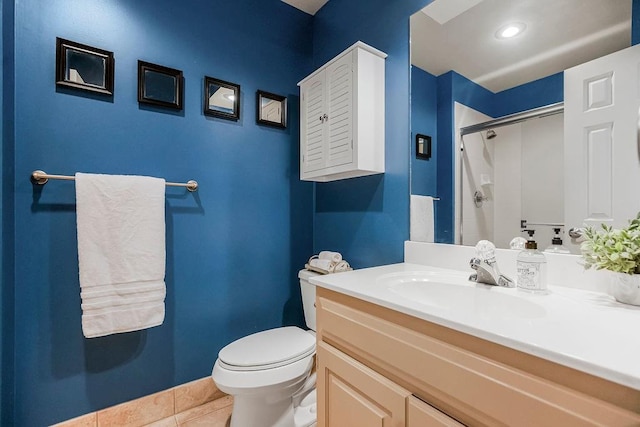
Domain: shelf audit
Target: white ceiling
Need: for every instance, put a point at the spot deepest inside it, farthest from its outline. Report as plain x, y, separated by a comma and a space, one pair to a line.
309, 6
559, 35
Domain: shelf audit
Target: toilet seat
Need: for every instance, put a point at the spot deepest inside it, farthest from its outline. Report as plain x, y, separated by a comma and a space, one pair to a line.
267, 349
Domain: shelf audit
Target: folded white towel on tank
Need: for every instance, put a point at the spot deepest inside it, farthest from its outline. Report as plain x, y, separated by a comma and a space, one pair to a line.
332, 256
323, 264
121, 252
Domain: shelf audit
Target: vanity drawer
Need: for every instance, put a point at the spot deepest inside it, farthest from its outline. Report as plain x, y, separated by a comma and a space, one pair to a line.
467, 385
422, 414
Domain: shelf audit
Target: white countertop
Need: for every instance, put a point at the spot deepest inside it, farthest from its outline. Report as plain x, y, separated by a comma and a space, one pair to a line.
585, 330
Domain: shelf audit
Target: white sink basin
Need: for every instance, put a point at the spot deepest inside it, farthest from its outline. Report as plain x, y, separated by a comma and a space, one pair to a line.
454, 292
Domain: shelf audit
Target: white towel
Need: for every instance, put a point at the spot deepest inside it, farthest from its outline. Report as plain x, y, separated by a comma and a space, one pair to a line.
121, 252
421, 219
332, 256
341, 266
323, 264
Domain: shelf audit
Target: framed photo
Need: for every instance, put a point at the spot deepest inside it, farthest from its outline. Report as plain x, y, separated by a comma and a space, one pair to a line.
271, 109
84, 67
423, 146
221, 99
160, 86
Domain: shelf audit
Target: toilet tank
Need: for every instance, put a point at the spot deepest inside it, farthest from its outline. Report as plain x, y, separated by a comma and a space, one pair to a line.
308, 298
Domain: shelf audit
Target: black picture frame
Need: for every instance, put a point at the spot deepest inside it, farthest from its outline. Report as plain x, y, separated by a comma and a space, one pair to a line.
84, 67
221, 99
271, 109
423, 146
160, 86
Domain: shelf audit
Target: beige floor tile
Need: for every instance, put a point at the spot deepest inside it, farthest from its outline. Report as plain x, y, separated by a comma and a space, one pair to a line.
139, 412
218, 418
165, 422
221, 404
196, 393
88, 420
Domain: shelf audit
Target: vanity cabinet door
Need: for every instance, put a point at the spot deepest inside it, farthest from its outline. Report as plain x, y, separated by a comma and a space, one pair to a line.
350, 394
421, 414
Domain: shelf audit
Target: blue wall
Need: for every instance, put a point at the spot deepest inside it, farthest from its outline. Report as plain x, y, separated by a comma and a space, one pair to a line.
367, 219
635, 22
538, 93
233, 248
424, 121
7, 214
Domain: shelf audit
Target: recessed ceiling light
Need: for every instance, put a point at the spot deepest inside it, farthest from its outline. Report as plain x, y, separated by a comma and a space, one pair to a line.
229, 96
510, 30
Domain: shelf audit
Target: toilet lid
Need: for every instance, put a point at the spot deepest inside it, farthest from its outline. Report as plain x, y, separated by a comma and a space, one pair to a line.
268, 349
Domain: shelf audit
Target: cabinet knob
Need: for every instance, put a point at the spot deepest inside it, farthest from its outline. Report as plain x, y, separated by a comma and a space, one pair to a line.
325, 117
321, 119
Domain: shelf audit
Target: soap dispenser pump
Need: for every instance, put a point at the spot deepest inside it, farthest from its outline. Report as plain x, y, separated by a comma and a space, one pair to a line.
532, 267
556, 244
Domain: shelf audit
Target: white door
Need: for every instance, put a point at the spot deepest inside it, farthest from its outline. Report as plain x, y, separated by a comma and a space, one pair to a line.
601, 140
340, 111
312, 130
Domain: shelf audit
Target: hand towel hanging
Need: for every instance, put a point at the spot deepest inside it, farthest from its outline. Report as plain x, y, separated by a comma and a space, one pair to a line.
121, 252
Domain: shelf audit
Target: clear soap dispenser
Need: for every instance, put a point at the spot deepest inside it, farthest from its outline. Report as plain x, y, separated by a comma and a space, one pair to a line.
556, 244
532, 267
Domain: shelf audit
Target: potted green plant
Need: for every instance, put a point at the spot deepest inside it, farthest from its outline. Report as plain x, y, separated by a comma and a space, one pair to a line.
618, 251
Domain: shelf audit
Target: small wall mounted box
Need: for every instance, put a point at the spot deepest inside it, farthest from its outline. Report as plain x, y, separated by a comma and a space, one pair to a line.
342, 115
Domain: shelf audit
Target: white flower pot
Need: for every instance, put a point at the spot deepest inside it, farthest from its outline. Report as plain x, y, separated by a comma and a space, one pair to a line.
625, 288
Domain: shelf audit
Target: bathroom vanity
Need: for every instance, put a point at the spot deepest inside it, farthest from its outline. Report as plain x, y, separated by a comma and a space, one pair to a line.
415, 345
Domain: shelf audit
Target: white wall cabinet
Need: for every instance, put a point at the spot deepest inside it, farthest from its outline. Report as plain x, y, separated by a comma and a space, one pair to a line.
342, 117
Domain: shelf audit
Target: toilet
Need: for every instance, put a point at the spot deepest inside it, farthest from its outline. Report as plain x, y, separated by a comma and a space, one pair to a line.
268, 373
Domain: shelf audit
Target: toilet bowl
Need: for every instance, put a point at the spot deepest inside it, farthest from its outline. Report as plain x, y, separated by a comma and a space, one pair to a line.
268, 373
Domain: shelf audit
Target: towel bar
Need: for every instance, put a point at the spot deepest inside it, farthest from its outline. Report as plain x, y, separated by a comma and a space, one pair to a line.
39, 177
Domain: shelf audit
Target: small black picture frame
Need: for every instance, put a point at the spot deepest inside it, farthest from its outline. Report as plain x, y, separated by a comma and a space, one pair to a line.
221, 99
423, 146
80, 66
271, 109
160, 86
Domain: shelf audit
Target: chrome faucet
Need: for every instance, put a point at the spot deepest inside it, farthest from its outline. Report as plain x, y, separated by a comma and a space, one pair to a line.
486, 267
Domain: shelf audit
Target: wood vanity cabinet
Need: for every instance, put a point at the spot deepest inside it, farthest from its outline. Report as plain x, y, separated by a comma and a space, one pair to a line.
379, 367
342, 117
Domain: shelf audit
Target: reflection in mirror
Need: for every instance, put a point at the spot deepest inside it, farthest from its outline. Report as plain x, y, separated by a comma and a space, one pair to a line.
221, 99
84, 67
271, 109
511, 176
489, 77
423, 146
159, 85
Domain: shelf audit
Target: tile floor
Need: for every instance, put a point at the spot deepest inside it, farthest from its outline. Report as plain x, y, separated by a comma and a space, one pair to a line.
198, 403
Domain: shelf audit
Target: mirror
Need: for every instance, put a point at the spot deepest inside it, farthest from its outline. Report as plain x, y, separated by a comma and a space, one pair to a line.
488, 77
84, 67
271, 109
221, 99
160, 86
423, 146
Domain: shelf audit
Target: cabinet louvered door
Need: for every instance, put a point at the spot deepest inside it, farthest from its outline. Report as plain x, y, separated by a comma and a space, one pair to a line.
340, 108
313, 150
602, 141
